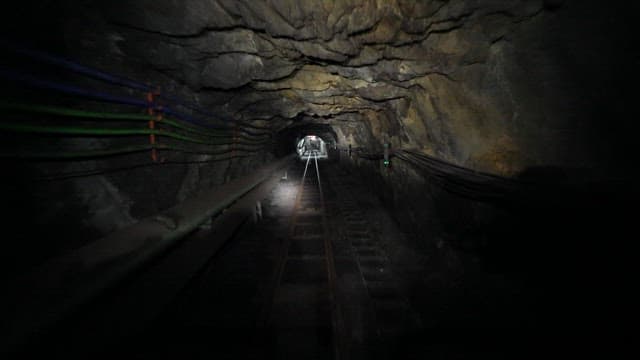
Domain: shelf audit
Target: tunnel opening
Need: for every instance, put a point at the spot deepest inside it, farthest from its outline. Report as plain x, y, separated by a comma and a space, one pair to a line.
289, 139
312, 146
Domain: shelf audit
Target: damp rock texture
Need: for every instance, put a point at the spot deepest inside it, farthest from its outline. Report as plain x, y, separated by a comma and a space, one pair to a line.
501, 86
494, 85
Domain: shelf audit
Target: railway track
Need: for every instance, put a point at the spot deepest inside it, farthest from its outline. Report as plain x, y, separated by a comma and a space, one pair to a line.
333, 295
391, 315
310, 281
303, 312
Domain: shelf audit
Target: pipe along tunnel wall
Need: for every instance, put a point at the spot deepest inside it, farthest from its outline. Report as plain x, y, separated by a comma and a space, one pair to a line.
508, 126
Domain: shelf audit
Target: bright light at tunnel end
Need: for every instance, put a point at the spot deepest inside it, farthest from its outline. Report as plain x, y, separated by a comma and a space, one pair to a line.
311, 146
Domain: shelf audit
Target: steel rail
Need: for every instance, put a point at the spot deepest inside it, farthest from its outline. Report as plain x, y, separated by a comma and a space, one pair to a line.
265, 314
340, 351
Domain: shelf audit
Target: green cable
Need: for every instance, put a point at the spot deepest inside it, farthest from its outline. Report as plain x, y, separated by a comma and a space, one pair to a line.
66, 130
71, 154
114, 152
91, 114
76, 174
112, 116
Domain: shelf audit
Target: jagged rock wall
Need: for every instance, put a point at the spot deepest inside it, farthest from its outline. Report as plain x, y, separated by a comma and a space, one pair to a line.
494, 85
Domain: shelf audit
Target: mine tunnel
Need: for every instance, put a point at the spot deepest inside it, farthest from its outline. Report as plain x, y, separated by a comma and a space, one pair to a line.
338, 179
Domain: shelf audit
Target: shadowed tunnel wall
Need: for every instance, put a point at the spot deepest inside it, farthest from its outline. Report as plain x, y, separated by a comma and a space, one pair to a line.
537, 93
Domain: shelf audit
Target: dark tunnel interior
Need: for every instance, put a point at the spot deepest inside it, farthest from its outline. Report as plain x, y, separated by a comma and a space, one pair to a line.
473, 195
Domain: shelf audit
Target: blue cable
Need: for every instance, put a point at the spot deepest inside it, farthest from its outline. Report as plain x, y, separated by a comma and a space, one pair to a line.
69, 89
74, 90
81, 69
101, 75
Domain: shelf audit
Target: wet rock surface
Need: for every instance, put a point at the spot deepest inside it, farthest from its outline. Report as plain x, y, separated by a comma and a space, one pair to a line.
476, 83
